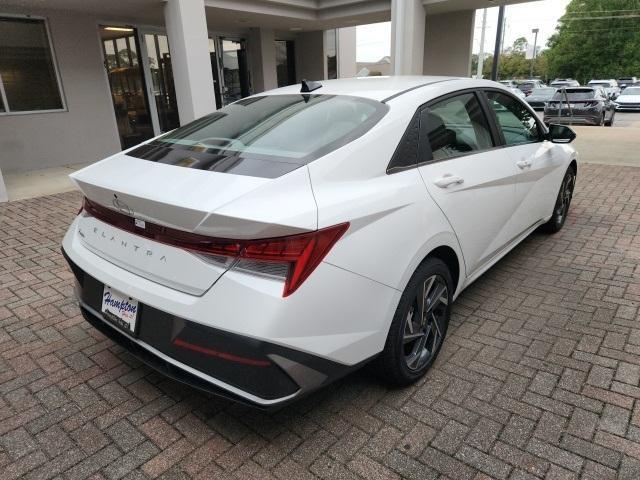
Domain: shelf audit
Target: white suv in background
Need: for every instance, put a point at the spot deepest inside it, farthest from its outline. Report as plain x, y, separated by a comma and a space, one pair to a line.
265, 250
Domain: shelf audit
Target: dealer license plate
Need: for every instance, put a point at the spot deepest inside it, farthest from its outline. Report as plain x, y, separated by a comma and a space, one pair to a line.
120, 309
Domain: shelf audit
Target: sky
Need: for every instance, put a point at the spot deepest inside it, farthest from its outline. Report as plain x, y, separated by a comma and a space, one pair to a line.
374, 41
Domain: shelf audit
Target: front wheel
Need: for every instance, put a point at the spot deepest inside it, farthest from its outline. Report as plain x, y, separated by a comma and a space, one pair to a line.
563, 202
419, 325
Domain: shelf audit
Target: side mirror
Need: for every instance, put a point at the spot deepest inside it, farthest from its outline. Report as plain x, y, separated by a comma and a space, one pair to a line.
561, 134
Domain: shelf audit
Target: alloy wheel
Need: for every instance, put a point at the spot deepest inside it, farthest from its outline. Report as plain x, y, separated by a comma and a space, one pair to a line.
425, 323
564, 200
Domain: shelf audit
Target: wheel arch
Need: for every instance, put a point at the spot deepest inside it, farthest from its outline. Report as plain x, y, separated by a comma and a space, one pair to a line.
445, 248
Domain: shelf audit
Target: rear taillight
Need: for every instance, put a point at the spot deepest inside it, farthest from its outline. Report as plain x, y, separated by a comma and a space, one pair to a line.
292, 258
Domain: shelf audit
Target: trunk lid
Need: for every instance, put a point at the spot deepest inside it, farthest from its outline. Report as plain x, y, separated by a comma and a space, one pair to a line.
209, 203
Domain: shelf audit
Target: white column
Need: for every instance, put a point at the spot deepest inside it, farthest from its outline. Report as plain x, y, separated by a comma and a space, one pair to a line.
448, 43
3, 190
346, 52
189, 47
407, 37
262, 49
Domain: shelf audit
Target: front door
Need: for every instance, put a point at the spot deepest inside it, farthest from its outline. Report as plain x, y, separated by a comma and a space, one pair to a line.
122, 60
471, 181
533, 157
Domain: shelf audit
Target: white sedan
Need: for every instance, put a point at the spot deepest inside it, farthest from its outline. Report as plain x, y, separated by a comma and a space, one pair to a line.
281, 242
629, 99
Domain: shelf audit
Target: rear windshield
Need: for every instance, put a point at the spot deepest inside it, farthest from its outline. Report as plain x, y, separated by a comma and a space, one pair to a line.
601, 84
575, 95
544, 91
631, 91
279, 132
526, 85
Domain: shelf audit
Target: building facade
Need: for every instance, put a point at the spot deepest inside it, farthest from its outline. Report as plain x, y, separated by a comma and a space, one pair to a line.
83, 79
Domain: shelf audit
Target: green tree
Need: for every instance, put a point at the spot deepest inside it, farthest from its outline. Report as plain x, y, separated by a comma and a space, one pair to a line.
596, 39
520, 44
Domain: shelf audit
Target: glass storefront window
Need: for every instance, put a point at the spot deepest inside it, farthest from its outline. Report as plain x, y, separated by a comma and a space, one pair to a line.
128, 91
285, 62
162, 85
27, 68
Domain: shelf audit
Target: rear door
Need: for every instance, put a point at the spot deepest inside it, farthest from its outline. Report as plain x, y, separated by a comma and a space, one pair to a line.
471, 180
532, 155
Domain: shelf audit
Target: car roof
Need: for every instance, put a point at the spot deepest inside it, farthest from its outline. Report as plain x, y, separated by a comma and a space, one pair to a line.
375, 88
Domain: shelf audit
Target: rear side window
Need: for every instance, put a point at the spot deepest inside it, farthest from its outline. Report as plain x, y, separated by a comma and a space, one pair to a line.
453, 127
517, 123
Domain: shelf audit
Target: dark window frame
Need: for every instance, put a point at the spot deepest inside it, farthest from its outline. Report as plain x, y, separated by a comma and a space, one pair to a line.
395, 165
54, 62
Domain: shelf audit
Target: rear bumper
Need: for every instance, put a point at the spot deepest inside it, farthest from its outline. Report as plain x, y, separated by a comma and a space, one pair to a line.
243, 369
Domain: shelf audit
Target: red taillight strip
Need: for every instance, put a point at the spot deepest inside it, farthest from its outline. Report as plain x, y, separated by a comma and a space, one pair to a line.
302, 252
222, 355
162, 234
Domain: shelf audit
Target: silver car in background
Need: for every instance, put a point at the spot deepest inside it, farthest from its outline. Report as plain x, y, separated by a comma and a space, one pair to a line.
610, 87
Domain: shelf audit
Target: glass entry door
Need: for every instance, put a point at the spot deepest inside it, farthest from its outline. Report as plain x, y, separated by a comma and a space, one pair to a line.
121, 51
232, 75
161, 87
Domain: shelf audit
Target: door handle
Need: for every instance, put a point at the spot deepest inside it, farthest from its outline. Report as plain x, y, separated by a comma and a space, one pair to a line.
448, 180
522, 164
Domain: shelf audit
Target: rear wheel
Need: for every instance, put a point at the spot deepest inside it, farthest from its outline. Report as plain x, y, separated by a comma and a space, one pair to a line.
563, 202
419, 325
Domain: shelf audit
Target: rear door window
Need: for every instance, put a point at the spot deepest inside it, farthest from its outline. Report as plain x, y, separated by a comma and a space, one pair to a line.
453, 127
518, 124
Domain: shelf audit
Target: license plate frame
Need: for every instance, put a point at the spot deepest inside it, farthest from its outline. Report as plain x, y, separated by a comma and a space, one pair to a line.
120, 309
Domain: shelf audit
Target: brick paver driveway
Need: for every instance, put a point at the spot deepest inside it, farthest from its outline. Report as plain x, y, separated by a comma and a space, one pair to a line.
538, 378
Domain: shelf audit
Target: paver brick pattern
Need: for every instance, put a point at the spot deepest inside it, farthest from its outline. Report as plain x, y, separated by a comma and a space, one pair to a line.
539, 376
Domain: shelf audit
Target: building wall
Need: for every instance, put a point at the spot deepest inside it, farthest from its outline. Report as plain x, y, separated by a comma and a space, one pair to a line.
448, 43
87, 131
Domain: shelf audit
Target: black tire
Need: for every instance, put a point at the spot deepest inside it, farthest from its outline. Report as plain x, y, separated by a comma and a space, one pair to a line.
563, 202
404, 361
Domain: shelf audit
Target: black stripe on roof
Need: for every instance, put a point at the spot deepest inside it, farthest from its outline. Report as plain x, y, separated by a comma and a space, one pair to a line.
415, 88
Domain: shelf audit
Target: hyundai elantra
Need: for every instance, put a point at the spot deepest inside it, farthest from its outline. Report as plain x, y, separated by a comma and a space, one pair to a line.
281, 242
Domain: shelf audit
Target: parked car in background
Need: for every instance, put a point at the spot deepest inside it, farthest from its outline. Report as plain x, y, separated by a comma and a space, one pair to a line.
610, 87
517, 92
564, 82
580, 106
311, 229
509, 83
629, 99
540, 96
528, 86
625, 82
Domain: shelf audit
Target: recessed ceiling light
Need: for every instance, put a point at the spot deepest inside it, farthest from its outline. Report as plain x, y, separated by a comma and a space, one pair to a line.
119, 29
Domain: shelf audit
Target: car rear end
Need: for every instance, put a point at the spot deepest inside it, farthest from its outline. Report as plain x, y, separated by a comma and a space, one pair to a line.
201, 252
576, 106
